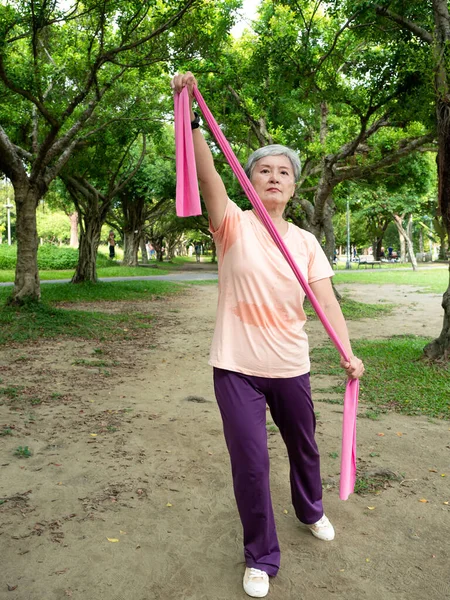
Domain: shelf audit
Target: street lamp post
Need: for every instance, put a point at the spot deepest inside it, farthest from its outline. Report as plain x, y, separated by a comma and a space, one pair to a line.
8, 207
348, 265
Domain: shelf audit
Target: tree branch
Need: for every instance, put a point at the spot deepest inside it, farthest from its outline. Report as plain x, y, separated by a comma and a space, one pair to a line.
26, 94
350, 148
161, 29
405, 23
346, 25
344, 173
47, 155
259, 127
10, 163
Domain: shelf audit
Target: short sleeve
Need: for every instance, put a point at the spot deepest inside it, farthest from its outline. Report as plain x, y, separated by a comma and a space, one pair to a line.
230, 222
318, 264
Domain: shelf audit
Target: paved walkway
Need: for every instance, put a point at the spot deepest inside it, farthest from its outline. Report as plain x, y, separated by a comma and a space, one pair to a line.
187, 276
202, 274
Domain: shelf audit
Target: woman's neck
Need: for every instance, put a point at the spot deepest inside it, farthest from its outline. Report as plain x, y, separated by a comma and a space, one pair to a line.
280, 223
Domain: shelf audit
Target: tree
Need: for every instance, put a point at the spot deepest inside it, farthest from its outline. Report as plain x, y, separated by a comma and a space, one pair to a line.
420, 32
437, 36
303, 81
57, 69
93, 182
405, 191
145, 197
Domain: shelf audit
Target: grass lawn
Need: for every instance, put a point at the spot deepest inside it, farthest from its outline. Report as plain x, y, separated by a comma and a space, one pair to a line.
431, 280
46, 321
396, 377
113, 271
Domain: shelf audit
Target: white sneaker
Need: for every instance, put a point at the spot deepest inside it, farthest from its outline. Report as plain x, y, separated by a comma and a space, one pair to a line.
256, 583
323, 529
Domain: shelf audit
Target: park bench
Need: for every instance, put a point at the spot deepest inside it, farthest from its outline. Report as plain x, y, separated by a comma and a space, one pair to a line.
368, 261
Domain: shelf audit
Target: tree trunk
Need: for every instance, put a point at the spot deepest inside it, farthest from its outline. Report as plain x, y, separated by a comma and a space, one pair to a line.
442, 234
143, 251
214, 252
377, 248
171, 246
131, 247
26, 283
439, 349
404, 236
74, 230
328, 229
409, 233
89, 240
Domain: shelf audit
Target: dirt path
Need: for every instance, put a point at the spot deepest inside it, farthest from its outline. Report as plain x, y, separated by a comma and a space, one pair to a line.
120, 452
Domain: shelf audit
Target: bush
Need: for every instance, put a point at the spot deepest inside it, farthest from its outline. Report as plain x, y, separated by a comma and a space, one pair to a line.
49, 258
57, 258
7, 256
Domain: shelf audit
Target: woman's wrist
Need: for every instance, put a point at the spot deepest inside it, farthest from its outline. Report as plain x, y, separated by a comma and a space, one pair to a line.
195, 122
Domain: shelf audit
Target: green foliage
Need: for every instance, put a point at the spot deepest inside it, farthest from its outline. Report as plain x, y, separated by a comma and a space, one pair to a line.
53, 226
37, 320
355, 310
102, 291
22, 452
49, 258
396, 378
431, 280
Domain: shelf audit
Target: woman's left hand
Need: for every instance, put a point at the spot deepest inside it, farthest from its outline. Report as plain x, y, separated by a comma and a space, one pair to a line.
354, 367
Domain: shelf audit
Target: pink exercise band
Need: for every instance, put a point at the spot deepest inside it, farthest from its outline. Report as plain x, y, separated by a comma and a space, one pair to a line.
188, 204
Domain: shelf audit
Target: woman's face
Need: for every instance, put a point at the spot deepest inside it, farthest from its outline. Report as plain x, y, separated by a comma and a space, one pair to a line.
273, 180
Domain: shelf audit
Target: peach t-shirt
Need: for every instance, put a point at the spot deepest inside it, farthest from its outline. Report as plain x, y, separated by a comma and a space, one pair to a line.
260, 319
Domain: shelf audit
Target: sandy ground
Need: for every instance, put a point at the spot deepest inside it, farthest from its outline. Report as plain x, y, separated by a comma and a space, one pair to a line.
127, 494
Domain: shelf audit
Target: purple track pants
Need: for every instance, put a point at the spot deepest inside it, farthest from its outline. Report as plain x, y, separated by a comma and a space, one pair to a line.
242, 402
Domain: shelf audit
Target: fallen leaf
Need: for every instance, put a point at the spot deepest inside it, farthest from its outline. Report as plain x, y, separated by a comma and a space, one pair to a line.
341, 570
11, 588
123, 532
367, 559
168, 504
371, 507
446, 503
433, 470
399, 433
285, 511
380, 434
424, 500
112, 539
443, 475
93, 435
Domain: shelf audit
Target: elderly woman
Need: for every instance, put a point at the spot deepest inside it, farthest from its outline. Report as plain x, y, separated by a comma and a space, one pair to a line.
260, 349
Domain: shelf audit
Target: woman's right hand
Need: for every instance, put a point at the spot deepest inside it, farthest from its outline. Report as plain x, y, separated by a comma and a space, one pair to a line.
182, 80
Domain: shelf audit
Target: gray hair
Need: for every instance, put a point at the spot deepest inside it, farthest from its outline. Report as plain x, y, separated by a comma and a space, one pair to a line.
274, 150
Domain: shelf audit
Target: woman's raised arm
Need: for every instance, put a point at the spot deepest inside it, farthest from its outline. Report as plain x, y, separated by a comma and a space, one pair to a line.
212, 188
